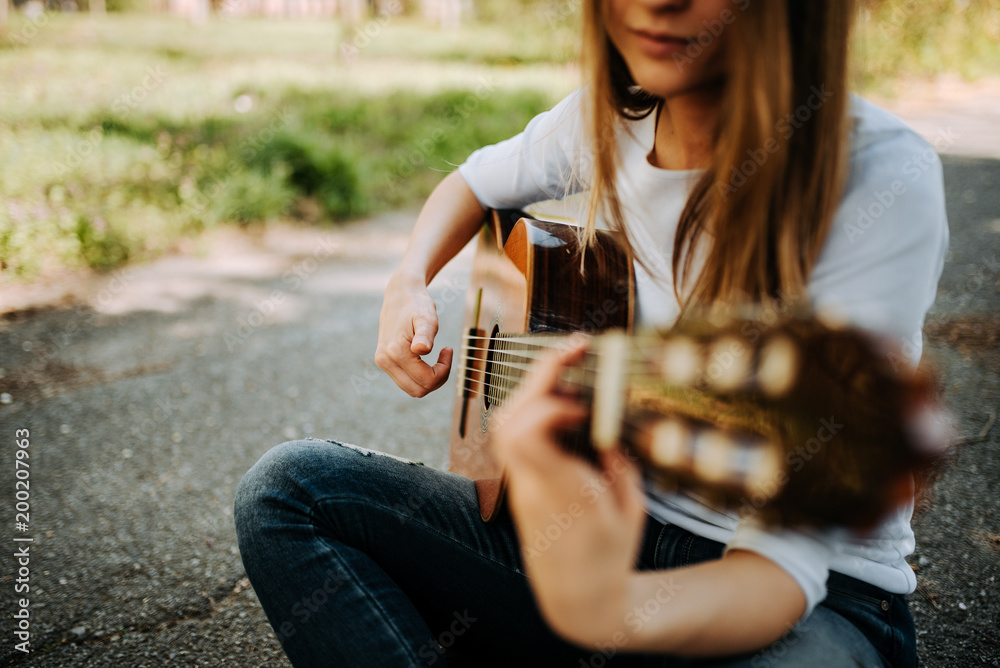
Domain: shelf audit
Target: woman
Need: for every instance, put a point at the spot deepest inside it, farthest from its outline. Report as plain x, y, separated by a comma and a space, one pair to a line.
719, 135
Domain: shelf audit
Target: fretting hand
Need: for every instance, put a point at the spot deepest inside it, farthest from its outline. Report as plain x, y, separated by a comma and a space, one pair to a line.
579, 527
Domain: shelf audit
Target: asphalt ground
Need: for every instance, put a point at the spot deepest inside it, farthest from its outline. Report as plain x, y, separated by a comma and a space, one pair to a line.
148, 392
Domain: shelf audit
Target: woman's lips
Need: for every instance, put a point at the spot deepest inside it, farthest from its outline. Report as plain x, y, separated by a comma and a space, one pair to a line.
660, 45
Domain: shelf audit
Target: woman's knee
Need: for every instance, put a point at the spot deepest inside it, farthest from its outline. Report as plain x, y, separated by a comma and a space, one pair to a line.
276, 475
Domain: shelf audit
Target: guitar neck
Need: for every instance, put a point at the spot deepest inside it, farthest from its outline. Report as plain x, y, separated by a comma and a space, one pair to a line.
707, 410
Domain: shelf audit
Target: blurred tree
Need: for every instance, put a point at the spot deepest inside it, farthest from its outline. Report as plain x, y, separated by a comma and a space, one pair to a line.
352, 11
445, 13
195, 11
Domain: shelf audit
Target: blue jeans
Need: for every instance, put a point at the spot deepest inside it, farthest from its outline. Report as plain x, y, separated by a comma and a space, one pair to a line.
365, 559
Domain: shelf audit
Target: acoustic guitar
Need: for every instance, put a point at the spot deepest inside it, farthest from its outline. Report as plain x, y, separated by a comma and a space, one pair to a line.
802, 421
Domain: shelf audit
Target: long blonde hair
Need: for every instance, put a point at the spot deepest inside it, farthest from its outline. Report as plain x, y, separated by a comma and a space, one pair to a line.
768, 218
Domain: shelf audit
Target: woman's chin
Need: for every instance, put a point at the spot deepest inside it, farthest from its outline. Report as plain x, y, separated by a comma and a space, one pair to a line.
667, 85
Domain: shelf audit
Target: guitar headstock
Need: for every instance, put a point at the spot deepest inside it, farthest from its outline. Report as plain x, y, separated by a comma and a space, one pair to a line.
801, 422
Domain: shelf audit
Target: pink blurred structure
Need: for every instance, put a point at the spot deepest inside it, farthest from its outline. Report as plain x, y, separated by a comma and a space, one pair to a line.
446, 13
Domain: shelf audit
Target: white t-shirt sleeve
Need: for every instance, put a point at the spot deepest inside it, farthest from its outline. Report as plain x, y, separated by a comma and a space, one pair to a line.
879, 270
880, 266
545, 161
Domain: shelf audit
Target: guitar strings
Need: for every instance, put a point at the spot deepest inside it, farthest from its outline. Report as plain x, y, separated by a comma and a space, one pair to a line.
528, 351
513, 361
512, 356
527, 348
535, 339
631, 422
637, 423
511, 381
632, 355
833, 370
637, 367
580, 379
500, 384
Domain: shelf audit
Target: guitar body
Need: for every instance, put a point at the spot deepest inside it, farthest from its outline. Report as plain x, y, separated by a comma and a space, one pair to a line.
526, 278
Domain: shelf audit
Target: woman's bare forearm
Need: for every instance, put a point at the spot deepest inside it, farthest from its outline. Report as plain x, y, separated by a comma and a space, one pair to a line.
450, 217
408, 322
737, 604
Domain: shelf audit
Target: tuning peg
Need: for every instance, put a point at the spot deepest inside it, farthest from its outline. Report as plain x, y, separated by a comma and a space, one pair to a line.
714, 454
832, 317
680, 361
778, 366
669, 440
931, 429
729, 365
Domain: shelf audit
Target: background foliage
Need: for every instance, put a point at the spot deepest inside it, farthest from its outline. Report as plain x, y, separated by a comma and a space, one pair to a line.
123, 135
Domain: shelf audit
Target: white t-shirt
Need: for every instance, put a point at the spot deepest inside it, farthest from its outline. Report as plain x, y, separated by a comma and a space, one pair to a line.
879, 269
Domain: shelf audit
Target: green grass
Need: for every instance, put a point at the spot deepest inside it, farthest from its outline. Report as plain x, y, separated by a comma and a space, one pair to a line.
122, 136
119, 137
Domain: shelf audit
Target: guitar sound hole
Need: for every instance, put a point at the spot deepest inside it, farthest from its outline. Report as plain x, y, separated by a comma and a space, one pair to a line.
490, 369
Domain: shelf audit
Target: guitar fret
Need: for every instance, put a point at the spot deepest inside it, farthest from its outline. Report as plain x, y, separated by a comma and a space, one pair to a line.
505, 359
